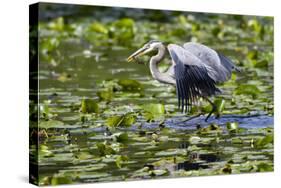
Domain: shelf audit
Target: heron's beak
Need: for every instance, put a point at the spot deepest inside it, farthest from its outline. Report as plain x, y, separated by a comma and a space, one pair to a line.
138, 53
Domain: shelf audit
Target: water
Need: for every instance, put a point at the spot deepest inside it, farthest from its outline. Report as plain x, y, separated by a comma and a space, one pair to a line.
81, 148
150, 146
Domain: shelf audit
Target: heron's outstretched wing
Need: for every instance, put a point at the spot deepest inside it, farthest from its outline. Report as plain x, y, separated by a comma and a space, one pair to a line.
192, 77
222, 65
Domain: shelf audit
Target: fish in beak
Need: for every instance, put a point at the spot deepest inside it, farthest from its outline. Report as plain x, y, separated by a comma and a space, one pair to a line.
140, 52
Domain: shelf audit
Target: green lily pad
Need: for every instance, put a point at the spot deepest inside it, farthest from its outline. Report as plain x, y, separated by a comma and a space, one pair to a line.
50, 124
44, 151
247, 89
44, 110
264, 167
170, 152
82, 168
98, 27
143, 172
130, 85
237, 141
105, 95
125, 22
232, 127
120, 160
125, 120
262, 142
57, 24
261, 64
59, 179
120, 137
89, 106
220, 103
105, 149
154, 111
158, 172
92, 175
83, 156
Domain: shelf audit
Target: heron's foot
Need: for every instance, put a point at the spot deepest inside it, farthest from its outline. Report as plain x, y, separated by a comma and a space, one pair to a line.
218, 115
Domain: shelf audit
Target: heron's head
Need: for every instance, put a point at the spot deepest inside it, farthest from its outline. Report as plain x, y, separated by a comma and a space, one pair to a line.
147, 47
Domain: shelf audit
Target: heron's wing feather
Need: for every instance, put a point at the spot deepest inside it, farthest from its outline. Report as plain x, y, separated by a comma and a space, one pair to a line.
192, 78
227, 63
221, 65
185, 56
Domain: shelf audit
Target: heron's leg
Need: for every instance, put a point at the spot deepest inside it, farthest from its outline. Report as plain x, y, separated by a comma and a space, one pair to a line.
192, 117
214, 108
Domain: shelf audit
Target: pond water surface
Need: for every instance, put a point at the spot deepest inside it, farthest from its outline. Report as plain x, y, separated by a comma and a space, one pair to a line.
77, 146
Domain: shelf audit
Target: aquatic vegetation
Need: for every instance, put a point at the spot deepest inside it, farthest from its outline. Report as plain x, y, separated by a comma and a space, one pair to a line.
232, 127
125, 120
89, 106
105, 95
154, 111
103, 119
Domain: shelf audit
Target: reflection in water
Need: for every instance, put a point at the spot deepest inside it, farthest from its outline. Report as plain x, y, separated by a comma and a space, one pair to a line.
190, 166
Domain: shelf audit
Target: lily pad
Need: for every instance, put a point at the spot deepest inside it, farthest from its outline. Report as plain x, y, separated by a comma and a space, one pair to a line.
120, 160
89, 106
50, 124
83, 156
44, 151
105, 95
237, 141
264, 167
105, 149
232, 127
247, 89
98, 27
125, 120
93, 175
170, 152
130, 85
262, 142
154, 111
59, 179
220, 103
158, 172
120, 137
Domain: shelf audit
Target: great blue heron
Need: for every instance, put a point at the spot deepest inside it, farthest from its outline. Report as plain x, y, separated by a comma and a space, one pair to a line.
195, 70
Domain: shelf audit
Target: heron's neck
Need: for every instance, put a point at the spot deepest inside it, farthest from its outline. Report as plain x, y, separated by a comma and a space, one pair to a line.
153, 65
